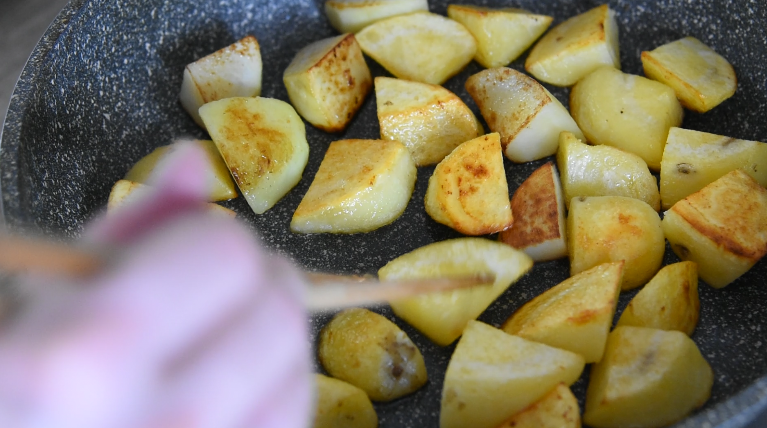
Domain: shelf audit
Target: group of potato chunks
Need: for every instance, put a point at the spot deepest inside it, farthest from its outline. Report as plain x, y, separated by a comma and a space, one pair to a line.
647, 372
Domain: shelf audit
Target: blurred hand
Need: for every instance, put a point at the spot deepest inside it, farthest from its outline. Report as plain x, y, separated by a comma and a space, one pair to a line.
194, 325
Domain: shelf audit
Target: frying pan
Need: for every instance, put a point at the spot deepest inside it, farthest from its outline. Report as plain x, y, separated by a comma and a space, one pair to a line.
100, 91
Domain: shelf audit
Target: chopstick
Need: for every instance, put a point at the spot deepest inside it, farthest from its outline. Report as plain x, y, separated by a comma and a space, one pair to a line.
325, 291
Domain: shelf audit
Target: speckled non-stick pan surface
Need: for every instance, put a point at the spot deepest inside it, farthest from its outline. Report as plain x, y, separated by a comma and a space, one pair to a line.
100, 91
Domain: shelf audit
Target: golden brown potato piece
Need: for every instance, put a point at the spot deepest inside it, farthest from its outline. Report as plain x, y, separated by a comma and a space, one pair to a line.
428, 119
350, 16
557, 409
327, 82
668, 302
372, 353
538, 210
493, 375
342, 405
468, 189
124, 191
604, 229
575, 315
722, 228
648, 378
701, 78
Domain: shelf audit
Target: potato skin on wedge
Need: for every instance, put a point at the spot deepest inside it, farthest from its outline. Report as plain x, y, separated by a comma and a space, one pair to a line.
342, 405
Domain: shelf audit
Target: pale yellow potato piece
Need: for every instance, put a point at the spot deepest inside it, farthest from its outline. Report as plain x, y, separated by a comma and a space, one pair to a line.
328, 81
263, 142
701, 78
528, 118
502, 34
604, 229
220, 184
557, 409
693, 159
234, 71
575, 315
125, 191
629, 112
428, 119
443, 316
370, 352
493, 375
420, 46
668, 302
342, 405
468, 190
722, 228
604, 171
539, 216
576, 47
648, 378
361, 185
350, 16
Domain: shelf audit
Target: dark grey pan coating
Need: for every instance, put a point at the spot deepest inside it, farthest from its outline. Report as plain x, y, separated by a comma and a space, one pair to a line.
100, 91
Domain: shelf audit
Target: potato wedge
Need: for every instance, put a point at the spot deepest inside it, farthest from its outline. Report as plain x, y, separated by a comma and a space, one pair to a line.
576, 47
557, 409
428, 119
539, 216
493, 375
420, 46
648, 378
342, 405
575, 315
700, 77
443, 316
361, 185
693, 159
629, 112
468, 189
526, 115
502, 34
604, 171
125, 191
604, 229
369, 351
263, 142
234, 71
668, 302
327, 82
350, 16
722, 228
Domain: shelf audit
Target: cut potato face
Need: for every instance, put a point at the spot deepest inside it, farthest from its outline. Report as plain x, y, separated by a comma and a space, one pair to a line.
557, 409
420, 46
648, 378
468, 190
502, 34
350, 16
575, 48
668, 302
428, 119
125, 191
263, 142
539, 216
629, 112
369, 351
218, 177
342, 405
327, 82
234, 71
528, 118
443, 316
693, 159
721, 228
575, 315
360, 186
493, 375
701, 78
603, 229
604, 171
